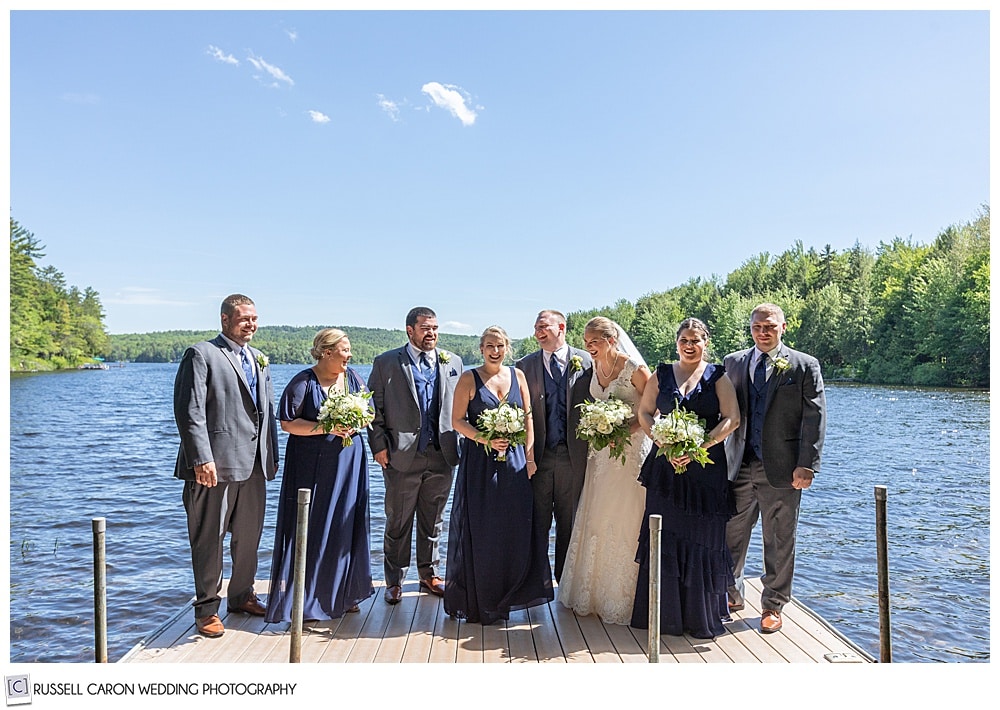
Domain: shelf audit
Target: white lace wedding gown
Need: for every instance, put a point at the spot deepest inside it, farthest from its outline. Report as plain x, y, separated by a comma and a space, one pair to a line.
600, 570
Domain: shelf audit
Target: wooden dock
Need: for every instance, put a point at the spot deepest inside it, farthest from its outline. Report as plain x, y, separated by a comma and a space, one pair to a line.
417, 630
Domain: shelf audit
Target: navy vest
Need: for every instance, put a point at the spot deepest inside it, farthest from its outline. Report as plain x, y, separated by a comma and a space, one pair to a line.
555, 409
430, 404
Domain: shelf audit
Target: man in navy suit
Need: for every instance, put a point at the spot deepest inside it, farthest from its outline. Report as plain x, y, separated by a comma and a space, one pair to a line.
773, 455
224, 409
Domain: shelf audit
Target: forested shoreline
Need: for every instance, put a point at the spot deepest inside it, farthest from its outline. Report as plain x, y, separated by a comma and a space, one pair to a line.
905, 313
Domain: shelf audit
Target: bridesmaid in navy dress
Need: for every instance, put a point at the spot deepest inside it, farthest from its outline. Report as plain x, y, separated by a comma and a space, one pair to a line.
338, 560
696, 568
497, 555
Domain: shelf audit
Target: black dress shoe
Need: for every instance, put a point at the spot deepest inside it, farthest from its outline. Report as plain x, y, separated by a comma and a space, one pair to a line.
394, 594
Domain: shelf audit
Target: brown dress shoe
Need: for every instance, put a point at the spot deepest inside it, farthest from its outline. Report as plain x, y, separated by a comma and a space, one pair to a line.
210, 626
736, 607
251, 606
394, 594
434, 585
770, 621
354, 609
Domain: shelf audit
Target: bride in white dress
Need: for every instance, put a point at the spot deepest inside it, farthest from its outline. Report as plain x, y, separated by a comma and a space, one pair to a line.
600, 570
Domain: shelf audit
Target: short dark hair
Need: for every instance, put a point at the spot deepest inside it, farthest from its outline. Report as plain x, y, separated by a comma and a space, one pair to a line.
418, 312
230, 302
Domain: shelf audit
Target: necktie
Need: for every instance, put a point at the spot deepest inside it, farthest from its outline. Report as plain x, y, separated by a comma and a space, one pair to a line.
554, 366
425, 364
760, 374
248, 371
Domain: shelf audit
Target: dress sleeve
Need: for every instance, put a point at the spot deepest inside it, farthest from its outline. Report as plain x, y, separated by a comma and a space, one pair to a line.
713, 373
293, 398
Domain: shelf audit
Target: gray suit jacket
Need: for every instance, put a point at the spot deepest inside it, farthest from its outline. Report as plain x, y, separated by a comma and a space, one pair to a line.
794, 418
216, 417
533, 367
396, 426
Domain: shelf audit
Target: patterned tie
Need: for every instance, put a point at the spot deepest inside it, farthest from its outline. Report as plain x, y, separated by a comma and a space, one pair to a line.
248, 371
556, 370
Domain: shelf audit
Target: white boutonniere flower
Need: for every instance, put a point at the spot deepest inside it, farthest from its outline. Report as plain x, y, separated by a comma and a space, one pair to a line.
443, 357
575, 364
781, 364
262, 360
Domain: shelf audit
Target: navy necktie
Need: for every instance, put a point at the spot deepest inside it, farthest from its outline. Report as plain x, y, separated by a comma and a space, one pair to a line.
760, 374
425, 364
556, 370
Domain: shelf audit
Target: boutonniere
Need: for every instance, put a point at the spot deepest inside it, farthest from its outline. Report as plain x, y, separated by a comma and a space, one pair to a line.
443, 357
262, 360
575, 364
781, 364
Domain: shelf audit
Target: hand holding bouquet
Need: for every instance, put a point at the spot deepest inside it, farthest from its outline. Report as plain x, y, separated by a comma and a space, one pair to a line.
680, 433
506, 422
605, 423
345, 411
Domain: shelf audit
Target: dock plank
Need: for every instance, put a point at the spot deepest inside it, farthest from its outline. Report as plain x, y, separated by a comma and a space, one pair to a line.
417, 630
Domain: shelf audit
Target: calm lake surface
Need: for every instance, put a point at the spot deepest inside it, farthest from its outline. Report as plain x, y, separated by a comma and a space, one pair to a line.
93, 444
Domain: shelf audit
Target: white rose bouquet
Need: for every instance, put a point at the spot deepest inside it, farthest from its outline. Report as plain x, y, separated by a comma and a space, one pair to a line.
346, 410
605, 423
681, 432
504, 422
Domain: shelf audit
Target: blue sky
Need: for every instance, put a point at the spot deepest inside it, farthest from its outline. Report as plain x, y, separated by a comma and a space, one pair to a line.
341, 167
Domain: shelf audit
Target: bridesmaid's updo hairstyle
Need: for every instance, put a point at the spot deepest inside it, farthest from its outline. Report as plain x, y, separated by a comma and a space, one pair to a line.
497, 332
693, 324
324, 340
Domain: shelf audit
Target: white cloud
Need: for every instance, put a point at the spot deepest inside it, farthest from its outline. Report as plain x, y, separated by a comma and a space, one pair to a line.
274, 71
318, 117
292, 34
389, 106
453, 99
221, 56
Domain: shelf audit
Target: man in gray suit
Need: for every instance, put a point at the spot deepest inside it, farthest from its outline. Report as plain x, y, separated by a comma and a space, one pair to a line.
412, 440
773, 456
560, 456
224, 409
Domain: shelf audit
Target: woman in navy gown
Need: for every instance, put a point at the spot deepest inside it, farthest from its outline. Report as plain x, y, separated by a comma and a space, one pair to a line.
497, 555
696, 568
338, 561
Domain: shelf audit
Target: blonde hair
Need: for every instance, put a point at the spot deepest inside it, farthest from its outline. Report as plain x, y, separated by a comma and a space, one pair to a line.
324, 340
495, 331
604, 327
768, 309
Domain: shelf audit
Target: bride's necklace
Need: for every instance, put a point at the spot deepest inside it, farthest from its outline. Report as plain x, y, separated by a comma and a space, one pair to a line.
600, 370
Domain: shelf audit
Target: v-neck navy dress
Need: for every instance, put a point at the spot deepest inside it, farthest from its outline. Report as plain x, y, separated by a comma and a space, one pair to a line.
497, 554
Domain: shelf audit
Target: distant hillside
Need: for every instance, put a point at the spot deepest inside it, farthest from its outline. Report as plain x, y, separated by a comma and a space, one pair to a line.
282, 343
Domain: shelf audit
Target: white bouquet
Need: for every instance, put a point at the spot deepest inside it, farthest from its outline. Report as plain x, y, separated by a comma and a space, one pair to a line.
605, 423
345, 410
680, 432
506, 422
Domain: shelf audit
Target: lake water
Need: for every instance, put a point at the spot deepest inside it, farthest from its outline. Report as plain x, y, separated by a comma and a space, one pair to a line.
103, 443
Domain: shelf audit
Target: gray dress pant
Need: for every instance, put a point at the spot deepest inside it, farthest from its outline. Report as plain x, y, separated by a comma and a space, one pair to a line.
423, 491
778, 511
557, 492
236, 508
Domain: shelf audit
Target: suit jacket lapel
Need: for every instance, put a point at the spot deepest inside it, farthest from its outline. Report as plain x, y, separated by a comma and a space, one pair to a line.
404, 362
234, 360
743, 386
777, 378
